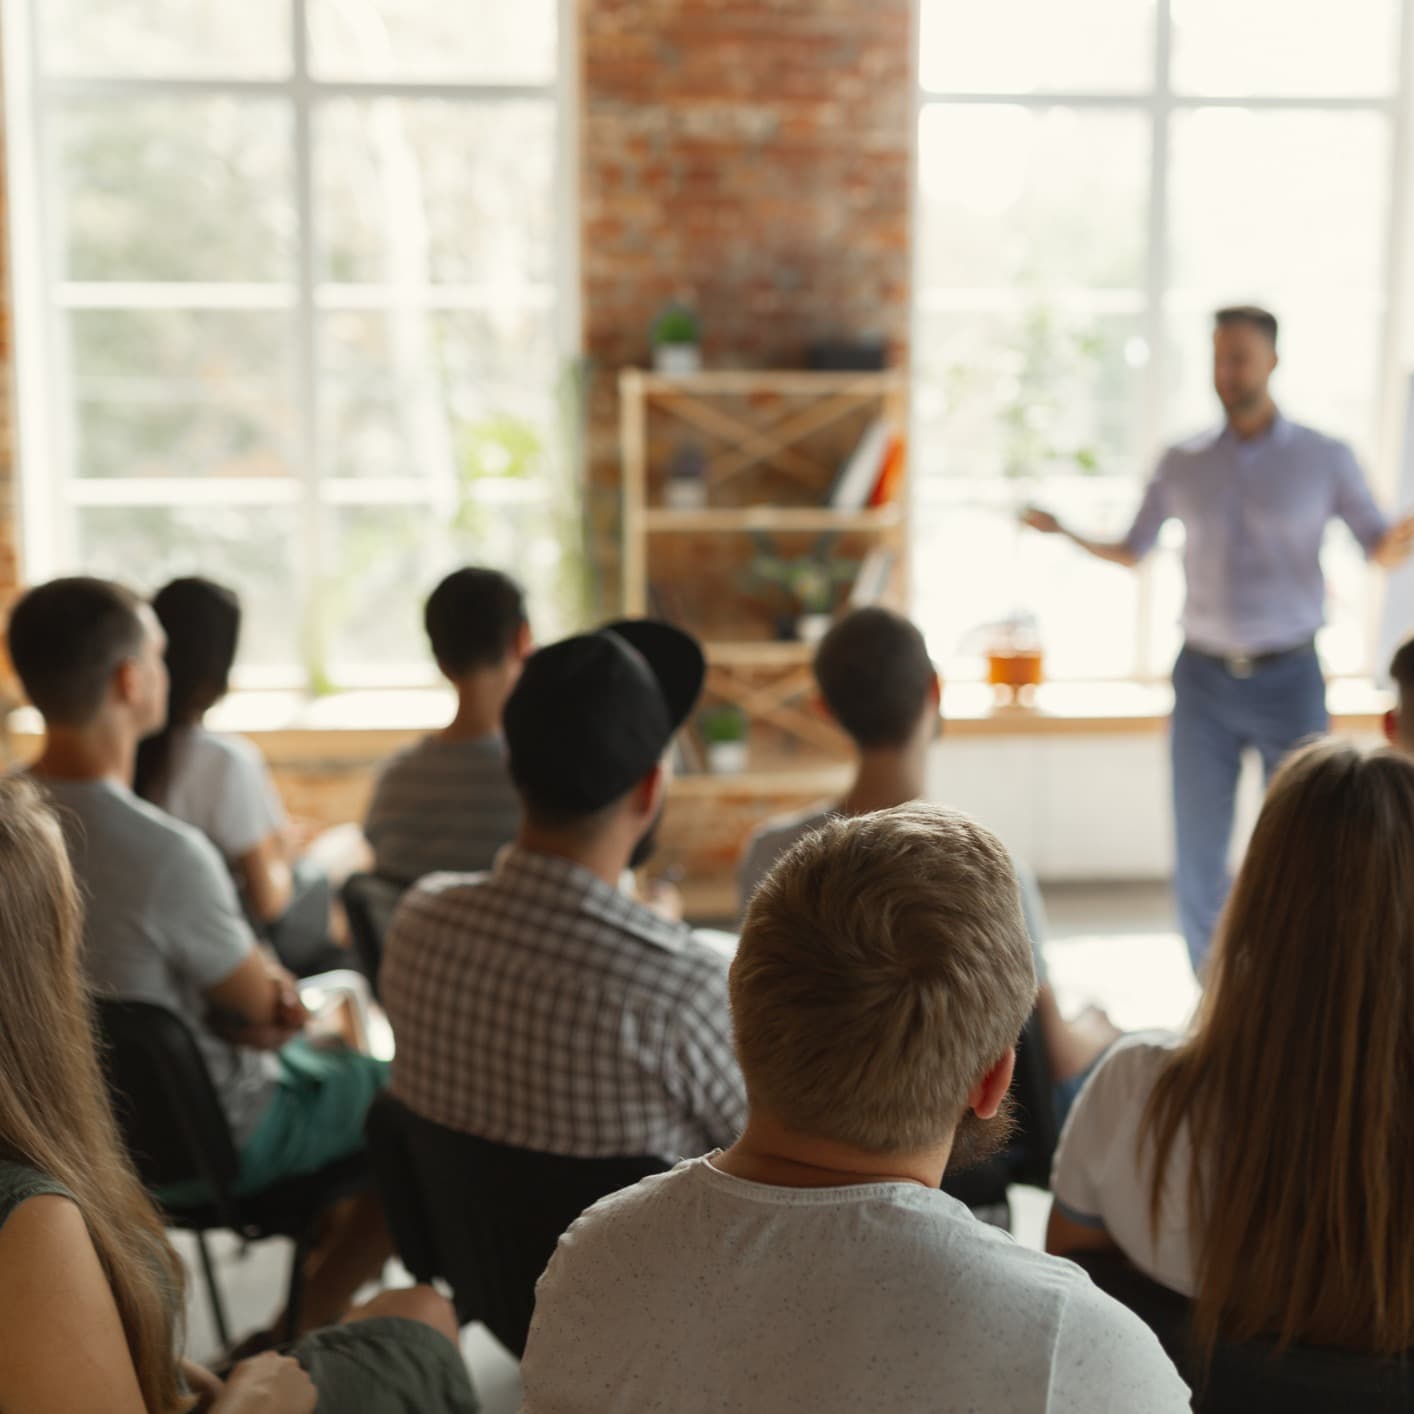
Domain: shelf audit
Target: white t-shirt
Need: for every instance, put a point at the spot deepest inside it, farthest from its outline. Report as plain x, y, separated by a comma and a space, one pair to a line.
697, 1291
1099, 1179
222, 785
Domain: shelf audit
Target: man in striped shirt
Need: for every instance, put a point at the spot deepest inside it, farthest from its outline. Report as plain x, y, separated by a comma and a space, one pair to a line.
447, 802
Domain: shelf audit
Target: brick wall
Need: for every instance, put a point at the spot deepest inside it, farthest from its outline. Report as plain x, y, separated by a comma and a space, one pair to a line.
750, 158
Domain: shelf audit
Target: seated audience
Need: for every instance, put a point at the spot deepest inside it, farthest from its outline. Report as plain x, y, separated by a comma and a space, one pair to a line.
540, 1005
878, 683
221, 784
1399, 723
883, 975
163, 924
447, 802
90, 1289
1261, 1164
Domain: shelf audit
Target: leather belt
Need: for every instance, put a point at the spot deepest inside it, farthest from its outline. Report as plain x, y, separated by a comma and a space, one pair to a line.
1243, 665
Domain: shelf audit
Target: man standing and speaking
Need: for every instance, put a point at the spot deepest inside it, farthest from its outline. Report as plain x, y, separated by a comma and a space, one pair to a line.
1254, 497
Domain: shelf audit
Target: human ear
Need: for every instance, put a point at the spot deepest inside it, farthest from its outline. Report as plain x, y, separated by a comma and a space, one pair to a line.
986, 1096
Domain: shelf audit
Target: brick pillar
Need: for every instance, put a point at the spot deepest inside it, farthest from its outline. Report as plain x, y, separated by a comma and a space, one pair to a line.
750, 158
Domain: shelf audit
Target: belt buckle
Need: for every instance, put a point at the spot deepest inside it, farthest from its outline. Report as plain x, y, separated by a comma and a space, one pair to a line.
1240, 665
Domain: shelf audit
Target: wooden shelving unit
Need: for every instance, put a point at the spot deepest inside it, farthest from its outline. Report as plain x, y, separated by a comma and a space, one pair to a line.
772, 444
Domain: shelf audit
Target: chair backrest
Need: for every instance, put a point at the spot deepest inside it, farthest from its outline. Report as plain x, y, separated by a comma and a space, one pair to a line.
484, 1217
1255, 1375
370, 901
1027, 1158
167, 1108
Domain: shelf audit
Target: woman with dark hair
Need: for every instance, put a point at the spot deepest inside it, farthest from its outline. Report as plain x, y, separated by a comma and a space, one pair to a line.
90, 1288
1262, 1165
220, 783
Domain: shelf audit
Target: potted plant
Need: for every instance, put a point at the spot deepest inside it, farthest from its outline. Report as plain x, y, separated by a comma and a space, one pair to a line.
686, 488
810, 583
724, 733
677, 341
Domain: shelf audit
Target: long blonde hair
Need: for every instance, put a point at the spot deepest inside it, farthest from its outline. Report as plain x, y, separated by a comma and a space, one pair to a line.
1297, 1084
54, 1113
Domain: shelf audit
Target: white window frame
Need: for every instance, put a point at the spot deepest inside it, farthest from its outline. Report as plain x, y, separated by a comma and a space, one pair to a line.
50, 491
1158, 104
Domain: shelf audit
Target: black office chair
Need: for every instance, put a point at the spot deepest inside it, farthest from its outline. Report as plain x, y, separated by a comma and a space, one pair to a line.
370, 901
1255, 1375
484, 1217
176, 1132
1027, 1156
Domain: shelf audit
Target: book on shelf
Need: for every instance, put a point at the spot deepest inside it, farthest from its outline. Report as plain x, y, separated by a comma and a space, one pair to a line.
860, 474
890, 481
872, 581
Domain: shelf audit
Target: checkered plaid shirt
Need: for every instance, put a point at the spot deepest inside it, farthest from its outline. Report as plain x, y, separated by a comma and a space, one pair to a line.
537, 1006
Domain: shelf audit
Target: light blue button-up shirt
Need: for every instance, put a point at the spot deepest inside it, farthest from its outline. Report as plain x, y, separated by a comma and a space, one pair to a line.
1255, 513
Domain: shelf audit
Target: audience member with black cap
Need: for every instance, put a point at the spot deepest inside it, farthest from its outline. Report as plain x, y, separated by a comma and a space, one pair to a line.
540, 1005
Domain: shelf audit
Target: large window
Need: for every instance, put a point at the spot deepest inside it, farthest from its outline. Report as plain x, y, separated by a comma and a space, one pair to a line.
1094, 178
295, 304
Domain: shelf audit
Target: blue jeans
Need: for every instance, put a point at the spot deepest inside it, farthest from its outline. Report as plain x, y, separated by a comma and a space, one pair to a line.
1216, 715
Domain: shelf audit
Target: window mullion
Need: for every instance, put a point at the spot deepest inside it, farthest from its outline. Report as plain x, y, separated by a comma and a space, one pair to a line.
1156, 278
309, 557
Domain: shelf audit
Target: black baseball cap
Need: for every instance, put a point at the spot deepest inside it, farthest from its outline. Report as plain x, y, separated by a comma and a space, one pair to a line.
591, 715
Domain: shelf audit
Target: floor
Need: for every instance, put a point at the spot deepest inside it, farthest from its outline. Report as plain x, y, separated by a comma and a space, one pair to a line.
1111, 944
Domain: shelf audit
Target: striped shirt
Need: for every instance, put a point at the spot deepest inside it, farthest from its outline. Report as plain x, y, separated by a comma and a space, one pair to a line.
539, 1006
442, 807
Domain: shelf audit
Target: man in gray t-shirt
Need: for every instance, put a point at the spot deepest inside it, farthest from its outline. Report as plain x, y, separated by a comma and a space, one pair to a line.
162, 924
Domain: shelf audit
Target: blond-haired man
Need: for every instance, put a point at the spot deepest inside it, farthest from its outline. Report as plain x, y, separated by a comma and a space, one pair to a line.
883, 975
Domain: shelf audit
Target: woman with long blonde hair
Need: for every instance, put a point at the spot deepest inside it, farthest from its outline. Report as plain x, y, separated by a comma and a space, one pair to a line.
1264, 1165
90, 1288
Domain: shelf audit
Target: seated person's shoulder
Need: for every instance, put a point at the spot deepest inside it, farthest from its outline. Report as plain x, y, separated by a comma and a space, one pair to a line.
1107, 1358
181, 846
637, 1214
406, 757
239, 750
1131, 1065
131, 825
772, 839
783, 830
708, 955
442, 898
189, 895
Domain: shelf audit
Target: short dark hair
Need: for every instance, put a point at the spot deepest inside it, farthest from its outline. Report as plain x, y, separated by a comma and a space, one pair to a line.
875, 675
1401, 666
1263, 320
67, 638
472, 619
